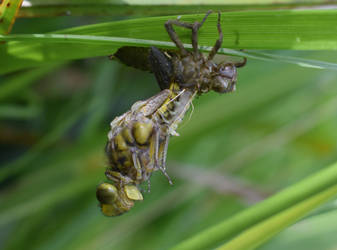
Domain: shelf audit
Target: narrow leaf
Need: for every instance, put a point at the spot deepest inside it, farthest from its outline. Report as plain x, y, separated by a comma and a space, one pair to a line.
144, 8
8, 12
258, 234
310, 187
309, 29
113, 43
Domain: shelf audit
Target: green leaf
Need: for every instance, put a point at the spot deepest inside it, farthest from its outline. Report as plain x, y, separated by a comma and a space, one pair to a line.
15, 84
116, 42
318, 232
172, 2
300, 29
289, 205
8, 12
146, 8
263, 231
17, 112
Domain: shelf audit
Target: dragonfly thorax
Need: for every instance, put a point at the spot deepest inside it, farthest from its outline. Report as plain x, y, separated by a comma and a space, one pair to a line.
204, 75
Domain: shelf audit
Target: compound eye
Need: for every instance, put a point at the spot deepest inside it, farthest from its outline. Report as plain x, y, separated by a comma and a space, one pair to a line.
221, 84
106, 193
227, 71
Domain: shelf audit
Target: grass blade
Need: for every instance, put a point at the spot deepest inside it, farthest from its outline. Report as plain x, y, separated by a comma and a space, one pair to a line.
307, 189
8, 12
115, 42
14, 84
307, 63
142, 8
258, 234
310, 30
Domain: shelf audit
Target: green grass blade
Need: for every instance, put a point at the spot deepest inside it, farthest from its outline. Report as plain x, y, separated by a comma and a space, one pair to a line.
307, 30
313, 233
286, 29
69, 117
16, 112
177, 2
290, 197
12, 85
111, 8
258, 234
116, 42
8, 12
308, 63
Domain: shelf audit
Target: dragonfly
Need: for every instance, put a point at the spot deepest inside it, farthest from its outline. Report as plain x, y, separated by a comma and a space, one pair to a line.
138, 140
137, 146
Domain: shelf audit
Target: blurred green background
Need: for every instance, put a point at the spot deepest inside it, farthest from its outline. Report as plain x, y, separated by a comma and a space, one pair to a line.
233, 150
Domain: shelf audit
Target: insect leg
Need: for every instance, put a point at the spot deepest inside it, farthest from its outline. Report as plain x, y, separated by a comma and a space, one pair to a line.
196, 26
241, 64
166, 175
164, 152
156, 146
117, 177
148, 186
218, 42
193, 26
174, 37
137, 165
159, 160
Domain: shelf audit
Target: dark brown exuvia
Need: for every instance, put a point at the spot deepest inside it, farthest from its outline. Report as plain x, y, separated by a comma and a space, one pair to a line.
189, 69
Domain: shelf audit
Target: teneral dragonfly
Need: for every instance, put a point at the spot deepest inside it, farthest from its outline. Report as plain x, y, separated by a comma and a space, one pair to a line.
137, 146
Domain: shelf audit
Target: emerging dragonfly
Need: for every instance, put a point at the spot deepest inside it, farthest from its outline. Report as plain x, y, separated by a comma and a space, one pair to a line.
137, 146
138, 140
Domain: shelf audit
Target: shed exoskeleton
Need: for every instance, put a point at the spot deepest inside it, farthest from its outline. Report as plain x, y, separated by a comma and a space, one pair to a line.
189, 69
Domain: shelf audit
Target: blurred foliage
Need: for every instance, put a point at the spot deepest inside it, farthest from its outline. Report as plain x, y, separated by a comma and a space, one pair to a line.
283, 30
277, 128
48, 8
317, 232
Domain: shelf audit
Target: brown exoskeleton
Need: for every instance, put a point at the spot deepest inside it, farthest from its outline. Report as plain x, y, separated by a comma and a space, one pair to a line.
193, 70
189, 69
